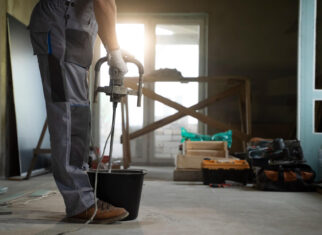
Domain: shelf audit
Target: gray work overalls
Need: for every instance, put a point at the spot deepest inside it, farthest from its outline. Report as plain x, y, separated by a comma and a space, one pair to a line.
62, 35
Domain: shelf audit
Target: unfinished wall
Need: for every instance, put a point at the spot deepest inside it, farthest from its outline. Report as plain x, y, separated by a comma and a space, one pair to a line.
22, 11
257, 39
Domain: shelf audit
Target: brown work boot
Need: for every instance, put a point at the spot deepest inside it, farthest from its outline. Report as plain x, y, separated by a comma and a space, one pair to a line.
106, 213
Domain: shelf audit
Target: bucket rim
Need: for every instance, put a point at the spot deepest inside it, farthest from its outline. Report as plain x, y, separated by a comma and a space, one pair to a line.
120, 171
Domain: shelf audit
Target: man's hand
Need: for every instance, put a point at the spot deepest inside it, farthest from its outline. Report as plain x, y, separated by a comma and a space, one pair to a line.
116, 60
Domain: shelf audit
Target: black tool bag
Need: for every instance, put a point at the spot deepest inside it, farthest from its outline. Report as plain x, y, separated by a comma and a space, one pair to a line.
285, 177
280, 166
264, 153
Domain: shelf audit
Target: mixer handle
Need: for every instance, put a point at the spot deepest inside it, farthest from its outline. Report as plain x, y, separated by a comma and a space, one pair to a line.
128, 59
131, 59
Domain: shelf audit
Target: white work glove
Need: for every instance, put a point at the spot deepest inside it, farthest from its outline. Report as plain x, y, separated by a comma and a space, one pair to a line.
116, 60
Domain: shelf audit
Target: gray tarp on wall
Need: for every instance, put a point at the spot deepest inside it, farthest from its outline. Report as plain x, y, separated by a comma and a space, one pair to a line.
28, 95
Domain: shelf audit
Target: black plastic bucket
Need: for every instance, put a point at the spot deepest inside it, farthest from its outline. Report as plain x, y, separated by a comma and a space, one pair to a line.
121, 188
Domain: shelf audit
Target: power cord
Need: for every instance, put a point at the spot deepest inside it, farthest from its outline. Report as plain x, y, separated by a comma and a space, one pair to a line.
111, 133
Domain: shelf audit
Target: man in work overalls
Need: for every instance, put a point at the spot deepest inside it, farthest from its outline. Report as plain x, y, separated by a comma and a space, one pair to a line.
62, 35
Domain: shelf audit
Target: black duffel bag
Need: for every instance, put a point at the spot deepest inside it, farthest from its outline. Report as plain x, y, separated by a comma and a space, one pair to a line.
288, 177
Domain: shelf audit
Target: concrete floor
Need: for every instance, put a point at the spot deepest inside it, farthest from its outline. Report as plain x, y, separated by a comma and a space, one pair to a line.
173, 208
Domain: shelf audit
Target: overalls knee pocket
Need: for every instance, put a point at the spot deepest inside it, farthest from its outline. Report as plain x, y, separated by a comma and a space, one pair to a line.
80, 126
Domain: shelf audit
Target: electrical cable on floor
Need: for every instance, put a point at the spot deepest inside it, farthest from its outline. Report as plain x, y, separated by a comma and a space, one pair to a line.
96, 172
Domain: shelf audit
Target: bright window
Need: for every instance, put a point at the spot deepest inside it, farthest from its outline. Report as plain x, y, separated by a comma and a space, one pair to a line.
159, 43
131, 39
177, 47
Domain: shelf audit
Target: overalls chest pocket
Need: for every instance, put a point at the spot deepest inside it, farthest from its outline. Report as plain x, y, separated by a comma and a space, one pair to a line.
80, 34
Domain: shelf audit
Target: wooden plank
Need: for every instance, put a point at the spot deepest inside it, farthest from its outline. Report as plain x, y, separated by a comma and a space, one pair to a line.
127, 128
37, 151
42, 135
152, 78
125, 136
205, 145
178, 115
248, 108
207, 153
201, 117
226, 149
242, 112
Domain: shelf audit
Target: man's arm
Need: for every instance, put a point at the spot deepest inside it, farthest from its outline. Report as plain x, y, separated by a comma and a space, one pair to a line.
105, 13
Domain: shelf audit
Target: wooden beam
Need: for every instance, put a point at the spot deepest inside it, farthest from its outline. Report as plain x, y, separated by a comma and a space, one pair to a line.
242, 112
125, 134
201, 117
248, 108
150, 78
42, 135
202, 104
38, 150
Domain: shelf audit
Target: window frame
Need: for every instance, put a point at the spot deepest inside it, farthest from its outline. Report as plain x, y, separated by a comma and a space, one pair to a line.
150, 22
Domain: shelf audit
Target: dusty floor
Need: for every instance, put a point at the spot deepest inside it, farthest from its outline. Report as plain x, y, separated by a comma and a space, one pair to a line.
170, 208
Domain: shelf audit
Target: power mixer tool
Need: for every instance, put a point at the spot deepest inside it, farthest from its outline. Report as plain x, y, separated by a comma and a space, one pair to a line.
116, 90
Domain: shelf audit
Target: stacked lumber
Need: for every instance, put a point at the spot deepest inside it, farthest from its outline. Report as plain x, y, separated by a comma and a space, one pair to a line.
189, 162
